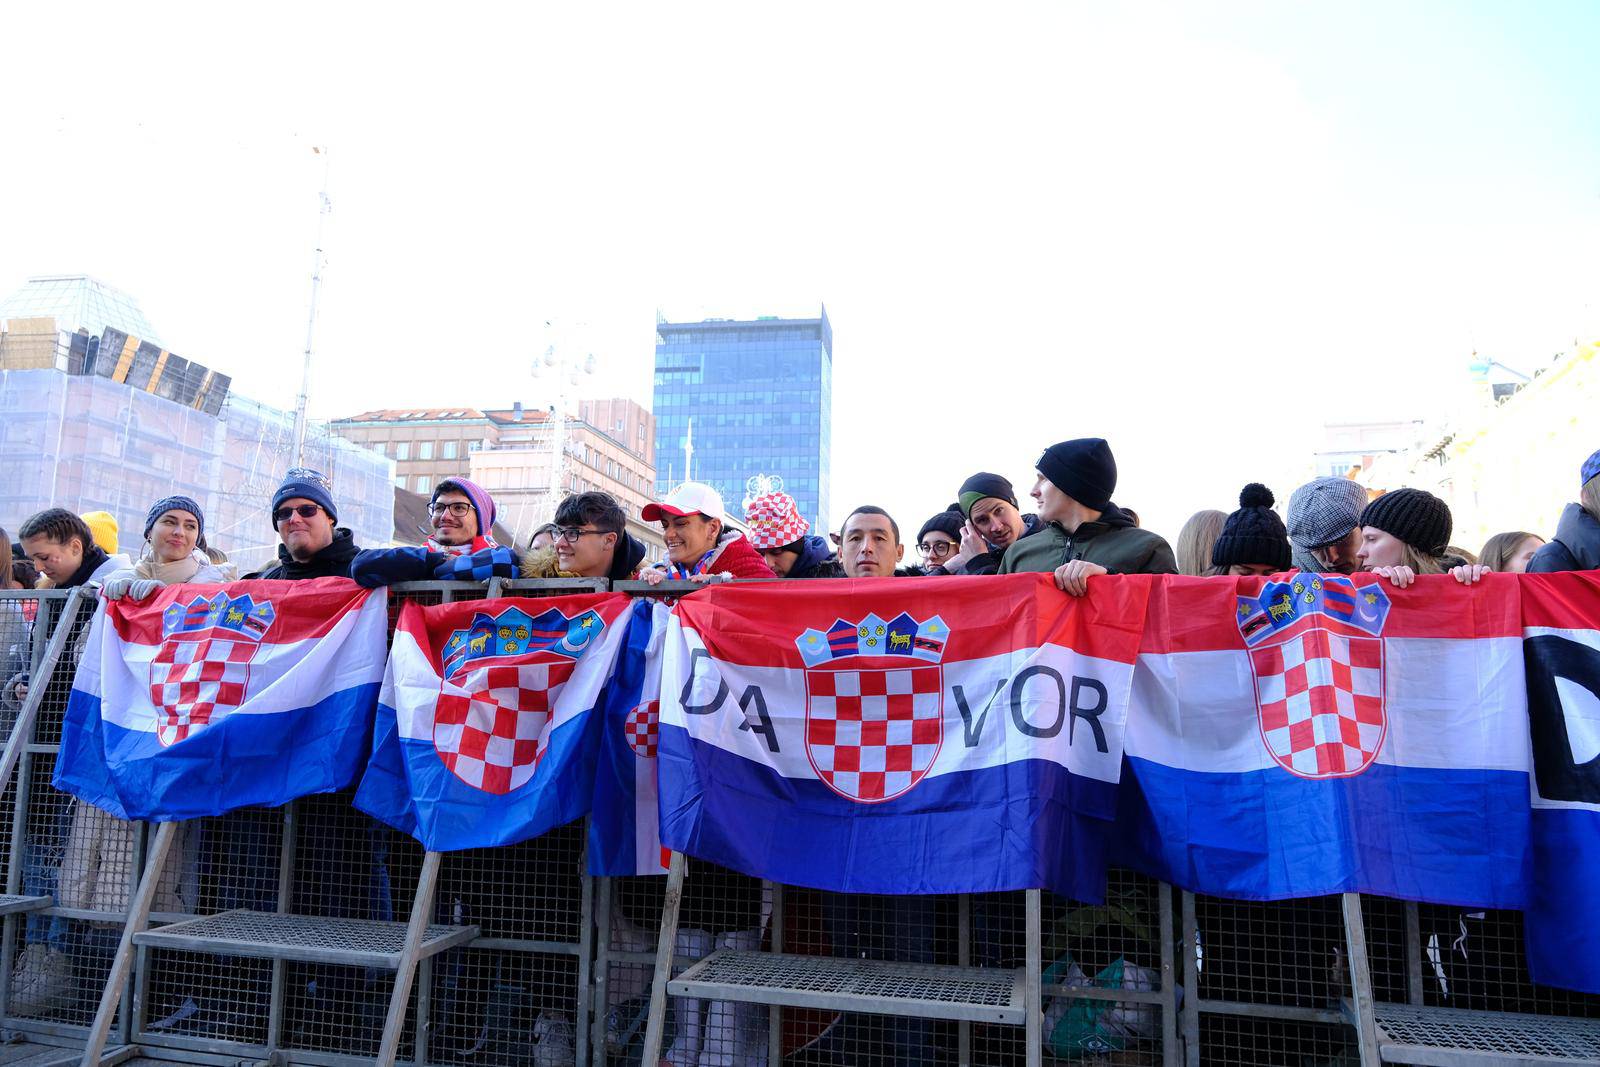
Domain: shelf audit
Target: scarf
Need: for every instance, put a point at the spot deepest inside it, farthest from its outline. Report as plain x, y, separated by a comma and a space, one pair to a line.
477, 544
678, 570
176, 573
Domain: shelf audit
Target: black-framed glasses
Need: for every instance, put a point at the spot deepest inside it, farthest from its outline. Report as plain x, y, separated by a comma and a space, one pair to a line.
456, 507
936, 548
305, 511
570, 534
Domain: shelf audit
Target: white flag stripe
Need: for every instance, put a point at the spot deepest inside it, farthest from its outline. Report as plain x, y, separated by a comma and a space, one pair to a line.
1449, 703
274, 687
1014, 713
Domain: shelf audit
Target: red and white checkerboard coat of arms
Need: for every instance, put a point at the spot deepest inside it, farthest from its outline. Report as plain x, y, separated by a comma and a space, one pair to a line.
489, 726
502, 679
202, 669
643, 728
1319, 679
874, 705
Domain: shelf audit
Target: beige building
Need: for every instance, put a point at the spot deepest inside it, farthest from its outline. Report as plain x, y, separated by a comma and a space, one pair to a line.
427, 445
1508, 459
609, 446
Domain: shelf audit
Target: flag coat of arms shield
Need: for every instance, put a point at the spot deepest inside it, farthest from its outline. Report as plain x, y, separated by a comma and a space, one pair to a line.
502, 677
874, 704
1316, 651
202, 669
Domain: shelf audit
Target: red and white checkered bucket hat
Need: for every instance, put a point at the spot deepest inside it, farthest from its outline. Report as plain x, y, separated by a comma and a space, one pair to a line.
774, 521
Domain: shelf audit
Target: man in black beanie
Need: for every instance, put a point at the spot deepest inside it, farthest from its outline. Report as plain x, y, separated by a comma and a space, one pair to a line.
1085, 534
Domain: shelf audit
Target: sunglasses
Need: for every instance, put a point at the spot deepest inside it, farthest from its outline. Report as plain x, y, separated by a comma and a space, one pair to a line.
305, 511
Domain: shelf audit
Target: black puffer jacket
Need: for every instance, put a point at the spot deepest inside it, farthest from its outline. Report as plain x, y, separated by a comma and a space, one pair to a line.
332, 562
1576, 547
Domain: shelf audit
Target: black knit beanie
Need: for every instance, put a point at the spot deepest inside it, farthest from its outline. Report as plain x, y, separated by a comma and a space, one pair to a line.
1083, 469
981, 486
1418, 518
1253, 534
949, 521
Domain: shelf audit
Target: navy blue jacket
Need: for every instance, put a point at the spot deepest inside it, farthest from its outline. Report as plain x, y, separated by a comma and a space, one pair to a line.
1576, 546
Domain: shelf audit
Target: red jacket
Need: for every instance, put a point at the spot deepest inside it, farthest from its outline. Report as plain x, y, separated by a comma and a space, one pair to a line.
738, 558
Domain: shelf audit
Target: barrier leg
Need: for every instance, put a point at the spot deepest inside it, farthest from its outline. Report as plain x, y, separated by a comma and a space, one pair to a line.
1355, 935
421, 912
964, 959
1169, 979
1191, 981
656, 1023
601, 986
775, 1012
1032, 980
1413, 954
122, 963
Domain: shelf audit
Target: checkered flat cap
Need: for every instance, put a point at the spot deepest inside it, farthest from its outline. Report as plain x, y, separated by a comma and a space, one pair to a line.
1324, 511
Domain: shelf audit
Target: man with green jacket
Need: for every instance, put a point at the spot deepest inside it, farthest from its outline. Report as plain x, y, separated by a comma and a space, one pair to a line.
1084, 533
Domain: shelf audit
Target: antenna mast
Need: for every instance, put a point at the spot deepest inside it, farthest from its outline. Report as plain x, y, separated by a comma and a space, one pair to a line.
325, 206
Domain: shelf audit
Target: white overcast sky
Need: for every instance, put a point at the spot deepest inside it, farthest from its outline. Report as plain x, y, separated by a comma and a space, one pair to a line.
1201, 230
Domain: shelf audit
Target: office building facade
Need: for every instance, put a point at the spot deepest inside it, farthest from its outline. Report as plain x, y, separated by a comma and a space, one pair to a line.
745, 405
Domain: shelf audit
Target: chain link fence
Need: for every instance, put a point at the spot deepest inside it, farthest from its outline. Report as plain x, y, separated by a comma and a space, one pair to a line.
561, 970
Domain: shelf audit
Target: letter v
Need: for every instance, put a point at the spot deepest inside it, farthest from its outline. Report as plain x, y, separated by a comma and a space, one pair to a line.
971, 733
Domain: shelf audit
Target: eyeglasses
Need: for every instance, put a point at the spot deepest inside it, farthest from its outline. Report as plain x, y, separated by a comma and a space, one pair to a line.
456, 508
570, 534
305, 511
937, 548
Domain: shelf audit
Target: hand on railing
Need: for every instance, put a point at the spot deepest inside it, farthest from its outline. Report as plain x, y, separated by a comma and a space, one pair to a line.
497, 561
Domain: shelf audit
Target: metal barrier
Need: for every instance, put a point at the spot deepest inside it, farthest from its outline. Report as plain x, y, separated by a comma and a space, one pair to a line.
559, 969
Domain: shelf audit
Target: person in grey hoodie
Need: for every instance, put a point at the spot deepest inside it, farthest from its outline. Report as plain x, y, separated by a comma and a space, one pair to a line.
1577, 542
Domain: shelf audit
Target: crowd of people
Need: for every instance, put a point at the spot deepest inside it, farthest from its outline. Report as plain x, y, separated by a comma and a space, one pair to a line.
1076, 532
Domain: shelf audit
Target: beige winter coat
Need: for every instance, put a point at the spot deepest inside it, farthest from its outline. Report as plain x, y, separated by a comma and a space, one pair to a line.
97, 865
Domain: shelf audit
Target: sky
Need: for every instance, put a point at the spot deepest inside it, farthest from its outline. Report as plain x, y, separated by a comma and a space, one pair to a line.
1201, 231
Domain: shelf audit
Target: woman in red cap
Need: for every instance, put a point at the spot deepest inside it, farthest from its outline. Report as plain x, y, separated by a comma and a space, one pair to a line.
699, 546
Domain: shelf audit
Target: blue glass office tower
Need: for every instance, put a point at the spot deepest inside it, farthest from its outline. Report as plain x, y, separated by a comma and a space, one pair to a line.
761, 397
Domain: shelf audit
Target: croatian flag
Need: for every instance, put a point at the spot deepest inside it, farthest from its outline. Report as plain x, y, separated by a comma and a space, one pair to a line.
1560, 615
207, 698
1305, 735
950, 735
624, 827
487, 728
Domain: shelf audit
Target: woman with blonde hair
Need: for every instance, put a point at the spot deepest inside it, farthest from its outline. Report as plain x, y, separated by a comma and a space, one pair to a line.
1509, 552
1576, 546
1406, 532
1196, 540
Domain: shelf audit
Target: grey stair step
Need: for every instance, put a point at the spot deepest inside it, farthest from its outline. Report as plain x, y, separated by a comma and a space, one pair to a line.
12, 903
1409, 1034
268, 935
919, 989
